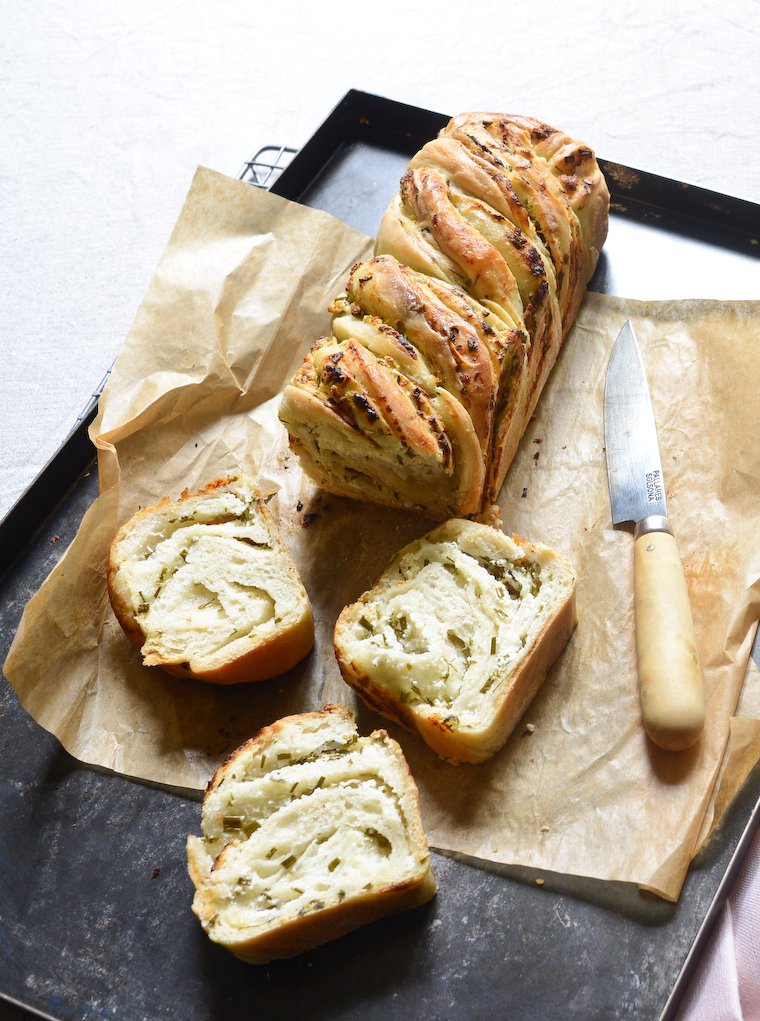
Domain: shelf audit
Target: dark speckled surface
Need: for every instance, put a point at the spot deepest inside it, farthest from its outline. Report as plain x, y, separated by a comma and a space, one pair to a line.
95, 918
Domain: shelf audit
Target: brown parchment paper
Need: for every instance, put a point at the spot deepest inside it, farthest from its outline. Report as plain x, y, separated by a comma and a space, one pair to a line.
239, 294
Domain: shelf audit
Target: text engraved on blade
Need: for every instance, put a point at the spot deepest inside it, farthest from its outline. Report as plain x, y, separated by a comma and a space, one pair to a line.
654, 486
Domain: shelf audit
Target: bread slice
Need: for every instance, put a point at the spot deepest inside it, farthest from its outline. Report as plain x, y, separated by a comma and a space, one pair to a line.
456, 636
309, 831
205, 588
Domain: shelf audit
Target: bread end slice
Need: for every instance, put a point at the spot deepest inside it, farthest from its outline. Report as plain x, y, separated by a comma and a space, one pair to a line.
456, 637
204, 587
309, 831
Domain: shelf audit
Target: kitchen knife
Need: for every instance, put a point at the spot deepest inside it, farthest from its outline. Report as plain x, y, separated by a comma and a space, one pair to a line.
670, 679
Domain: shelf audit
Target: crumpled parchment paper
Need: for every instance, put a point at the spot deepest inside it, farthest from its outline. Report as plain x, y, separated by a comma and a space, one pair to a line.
239, 295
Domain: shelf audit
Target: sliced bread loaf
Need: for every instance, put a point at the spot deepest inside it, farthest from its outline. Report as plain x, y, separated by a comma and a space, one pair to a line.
442, 343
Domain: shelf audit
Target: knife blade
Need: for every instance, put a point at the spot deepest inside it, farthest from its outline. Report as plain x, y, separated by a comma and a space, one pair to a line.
671, 688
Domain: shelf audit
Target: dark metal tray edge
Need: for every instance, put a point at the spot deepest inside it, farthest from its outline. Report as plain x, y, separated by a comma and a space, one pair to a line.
360, 111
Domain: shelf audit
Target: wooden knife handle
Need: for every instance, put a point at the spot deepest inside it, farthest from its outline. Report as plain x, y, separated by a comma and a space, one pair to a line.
670, 678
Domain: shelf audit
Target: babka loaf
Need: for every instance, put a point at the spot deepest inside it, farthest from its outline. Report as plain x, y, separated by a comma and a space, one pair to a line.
456, 636
310, 831
205, 588
442, 343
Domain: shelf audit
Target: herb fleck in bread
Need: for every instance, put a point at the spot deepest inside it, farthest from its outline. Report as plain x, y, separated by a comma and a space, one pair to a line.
205, 588
456, 636
309, 831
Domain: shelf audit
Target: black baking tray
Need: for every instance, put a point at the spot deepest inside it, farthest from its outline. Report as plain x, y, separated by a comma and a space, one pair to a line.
94, 895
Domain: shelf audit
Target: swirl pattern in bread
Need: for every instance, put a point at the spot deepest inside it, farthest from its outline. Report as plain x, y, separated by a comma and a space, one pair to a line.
309, 831
456, 636
442, 343
205, 588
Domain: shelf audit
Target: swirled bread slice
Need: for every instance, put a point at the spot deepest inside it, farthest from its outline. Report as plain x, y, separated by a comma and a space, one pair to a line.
309, 831
481, 263
456, 636
205, 588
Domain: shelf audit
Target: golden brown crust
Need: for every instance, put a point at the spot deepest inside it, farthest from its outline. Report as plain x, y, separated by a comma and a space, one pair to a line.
558, 180
500, 216
481, 269
567, 166
446, 472
546, 219
448, 343
301, 934
574, 163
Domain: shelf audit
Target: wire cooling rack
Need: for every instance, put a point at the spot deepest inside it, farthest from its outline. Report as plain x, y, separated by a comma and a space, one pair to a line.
263, 169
